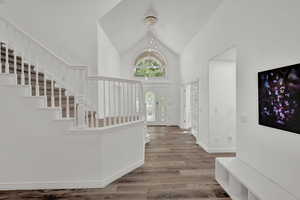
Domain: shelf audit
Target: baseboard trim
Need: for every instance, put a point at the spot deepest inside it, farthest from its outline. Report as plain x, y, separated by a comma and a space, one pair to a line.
202, 145
40, 185
221, 150
121, 173
215, 150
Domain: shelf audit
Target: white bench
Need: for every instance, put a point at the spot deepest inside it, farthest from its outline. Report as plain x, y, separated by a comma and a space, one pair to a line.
243, 182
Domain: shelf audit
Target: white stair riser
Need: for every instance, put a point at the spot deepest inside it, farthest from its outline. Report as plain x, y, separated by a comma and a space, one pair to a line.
8, 79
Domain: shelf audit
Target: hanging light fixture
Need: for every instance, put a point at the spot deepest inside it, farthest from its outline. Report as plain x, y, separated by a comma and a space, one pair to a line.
150, 20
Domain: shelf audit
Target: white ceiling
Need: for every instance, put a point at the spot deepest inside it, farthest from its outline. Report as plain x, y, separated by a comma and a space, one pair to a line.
179, 21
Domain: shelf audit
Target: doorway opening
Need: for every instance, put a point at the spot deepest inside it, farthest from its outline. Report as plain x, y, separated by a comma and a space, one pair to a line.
150, 106
156, 108
222, 102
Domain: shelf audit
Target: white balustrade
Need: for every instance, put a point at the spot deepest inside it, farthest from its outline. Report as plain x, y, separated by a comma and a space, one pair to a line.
120, 101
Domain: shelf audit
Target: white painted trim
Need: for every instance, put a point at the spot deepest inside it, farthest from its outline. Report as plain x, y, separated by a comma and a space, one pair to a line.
97, 130
202, 145
121, 173
69, 184
215, 150
221, 150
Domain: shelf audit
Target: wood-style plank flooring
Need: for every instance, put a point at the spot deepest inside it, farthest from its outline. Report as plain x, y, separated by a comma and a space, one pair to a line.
175, 169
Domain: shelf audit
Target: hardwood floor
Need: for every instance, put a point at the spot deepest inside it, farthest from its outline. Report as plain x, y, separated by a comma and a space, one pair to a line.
175, 169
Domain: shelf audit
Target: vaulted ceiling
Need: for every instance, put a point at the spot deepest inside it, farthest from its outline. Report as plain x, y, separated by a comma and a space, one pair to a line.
179, 21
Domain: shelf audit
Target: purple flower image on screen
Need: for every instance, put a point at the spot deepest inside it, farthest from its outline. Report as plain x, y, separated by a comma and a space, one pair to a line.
279, 102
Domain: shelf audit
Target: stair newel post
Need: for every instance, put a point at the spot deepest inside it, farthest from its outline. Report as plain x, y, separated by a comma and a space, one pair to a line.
81, 114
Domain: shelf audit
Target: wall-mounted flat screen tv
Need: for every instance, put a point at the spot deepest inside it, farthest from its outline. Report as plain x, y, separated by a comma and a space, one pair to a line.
279, 98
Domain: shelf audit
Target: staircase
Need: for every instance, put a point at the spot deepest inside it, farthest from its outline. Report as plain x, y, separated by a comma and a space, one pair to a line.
55, 95
61, 128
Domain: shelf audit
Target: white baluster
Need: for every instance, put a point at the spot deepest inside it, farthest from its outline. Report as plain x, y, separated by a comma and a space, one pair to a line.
109, 103
37, 84
119, 102
135, 109
7, 59
29, 74
68, 106
114, 103
128, 102
60, 100
45, 88
132, 101
92, 119
124, 102
15, 62
0, 57
22, 70
52, 93
104, 103
87, 118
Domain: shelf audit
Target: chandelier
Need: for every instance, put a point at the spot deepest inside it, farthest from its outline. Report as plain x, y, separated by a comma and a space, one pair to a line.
150, 20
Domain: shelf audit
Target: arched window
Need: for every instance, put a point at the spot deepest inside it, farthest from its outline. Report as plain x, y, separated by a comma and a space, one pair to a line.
150, 64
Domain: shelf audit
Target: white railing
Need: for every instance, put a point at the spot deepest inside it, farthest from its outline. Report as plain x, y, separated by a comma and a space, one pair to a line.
91, 101
119, 100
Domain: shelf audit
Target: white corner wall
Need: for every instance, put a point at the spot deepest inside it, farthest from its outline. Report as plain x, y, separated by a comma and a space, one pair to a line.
108, 56
67, 27
266, 34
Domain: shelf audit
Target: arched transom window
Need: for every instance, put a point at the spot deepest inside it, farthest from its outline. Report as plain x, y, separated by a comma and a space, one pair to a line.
150, 64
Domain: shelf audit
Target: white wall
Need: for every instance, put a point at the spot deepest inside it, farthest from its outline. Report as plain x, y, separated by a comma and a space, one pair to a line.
266, 34
42, 152
67, 27
108, 56
168, 86
222, 106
